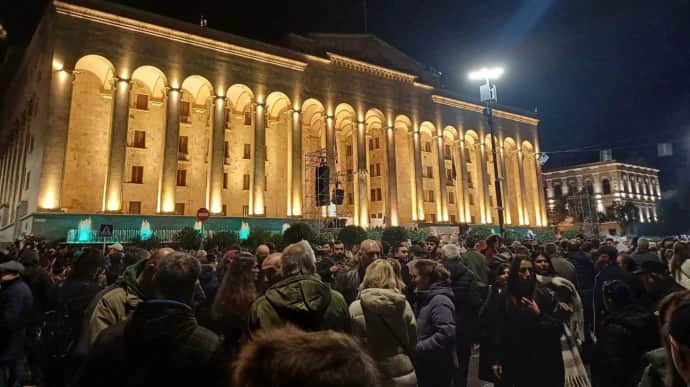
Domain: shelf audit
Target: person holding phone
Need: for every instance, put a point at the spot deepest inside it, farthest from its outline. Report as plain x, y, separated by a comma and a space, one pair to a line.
529, 332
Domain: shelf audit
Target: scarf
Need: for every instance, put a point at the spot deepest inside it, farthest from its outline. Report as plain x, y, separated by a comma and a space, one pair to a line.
576, 323
574, 369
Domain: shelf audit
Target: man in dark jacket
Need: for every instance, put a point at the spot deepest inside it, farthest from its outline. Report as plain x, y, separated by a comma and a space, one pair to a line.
643, 254
161, 344
432, 247
347, 282
467, 303
300, 298
657, 282
329, 266
584, 270
15, 307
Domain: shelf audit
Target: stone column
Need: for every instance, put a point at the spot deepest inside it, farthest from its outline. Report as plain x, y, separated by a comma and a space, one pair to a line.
540, 207
658, 191
118, 146
461, 187
505, 186
486, 207
258, 182
168, 182
392, 200
419, 188
362, 175
296, 160
217, 157
330, 143
523, 198
443, 205
55, 138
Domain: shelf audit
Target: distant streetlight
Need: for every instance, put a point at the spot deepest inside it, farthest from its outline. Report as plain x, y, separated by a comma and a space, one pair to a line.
487, 94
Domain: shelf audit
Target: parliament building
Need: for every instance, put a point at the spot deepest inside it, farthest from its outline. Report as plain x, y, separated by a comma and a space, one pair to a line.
121, 115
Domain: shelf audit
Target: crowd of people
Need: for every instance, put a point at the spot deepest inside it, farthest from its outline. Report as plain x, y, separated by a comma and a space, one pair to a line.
574, 313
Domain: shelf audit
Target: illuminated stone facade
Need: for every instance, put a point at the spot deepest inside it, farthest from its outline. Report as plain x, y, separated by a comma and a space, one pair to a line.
610, 182
145, 115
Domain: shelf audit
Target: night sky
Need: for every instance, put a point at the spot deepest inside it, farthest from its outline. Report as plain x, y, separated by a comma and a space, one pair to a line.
602, 73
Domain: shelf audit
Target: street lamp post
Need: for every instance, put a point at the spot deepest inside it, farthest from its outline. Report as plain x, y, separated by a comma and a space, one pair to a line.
487, 94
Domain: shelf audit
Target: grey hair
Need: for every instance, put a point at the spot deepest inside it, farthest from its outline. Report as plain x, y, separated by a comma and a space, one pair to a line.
298, 258
450, 250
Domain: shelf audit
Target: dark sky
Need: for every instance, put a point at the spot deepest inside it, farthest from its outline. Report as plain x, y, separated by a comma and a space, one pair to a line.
608, 73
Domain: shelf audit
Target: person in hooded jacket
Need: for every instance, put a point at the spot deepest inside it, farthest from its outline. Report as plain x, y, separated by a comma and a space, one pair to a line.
528, 332
161, 344
300, 298
467, 304
384, 323
436, 357
488, 319
627, 332
15, 308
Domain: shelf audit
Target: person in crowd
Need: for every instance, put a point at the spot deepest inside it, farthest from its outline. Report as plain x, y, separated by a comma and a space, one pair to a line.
657, 281
208, 279
643, 253
679, 342
680, 264
610, 242
659, 371
584, 268
65, 318
117, 302
477, 264
528, 332
493, 244
117, 251
347, 282
401, 255
331, 265
384, 323
431, 245
300, 298
627, 332
488, 319
626, 262
561, 266
262, 252
270, 270
230, 309
436, 355
161, 344
467, 304
291, 357
15, 305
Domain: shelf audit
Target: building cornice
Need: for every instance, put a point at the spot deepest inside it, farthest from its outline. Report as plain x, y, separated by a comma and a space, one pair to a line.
175, 35
379, 71
452, 102
594, 167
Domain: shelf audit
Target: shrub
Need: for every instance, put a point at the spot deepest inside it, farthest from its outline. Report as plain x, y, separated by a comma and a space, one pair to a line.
256, 237
222, 240
152, 243
188, 239
298, 232
352, 235
394, 235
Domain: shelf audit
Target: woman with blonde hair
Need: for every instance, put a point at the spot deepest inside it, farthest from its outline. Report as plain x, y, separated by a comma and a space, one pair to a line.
383, 321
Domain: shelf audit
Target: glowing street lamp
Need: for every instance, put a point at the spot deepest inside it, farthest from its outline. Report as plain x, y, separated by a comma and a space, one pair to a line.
487, 94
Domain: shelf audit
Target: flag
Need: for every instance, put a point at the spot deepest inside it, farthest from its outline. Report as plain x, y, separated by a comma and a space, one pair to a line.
605, 155
664, 149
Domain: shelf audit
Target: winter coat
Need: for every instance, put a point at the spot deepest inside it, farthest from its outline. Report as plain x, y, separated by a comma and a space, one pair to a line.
160, 345
683, 277
625, 336
584, 269
436, 357
477, 264
15, 305
466, 299
655, 372
384, 322
488, 340
565, 269
41, 286
111, 306
641, 256
613, 272
303, 301
527, 342
347, 283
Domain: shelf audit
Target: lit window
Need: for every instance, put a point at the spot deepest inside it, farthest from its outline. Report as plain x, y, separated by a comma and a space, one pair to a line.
182, 145
185, 108
181, 177
134, 207
245, 182
179, 208
137, 174
142, 102
139, 139
247, 151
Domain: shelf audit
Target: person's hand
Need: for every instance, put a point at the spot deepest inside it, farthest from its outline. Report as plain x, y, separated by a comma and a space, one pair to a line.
531, 305
498, 371
334, 268
565, 307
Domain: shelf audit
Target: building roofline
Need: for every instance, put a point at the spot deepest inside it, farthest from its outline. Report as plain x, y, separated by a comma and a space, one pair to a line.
595, 164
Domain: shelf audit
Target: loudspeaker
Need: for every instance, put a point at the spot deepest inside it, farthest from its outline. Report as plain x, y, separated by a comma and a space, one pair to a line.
322, 177
338, 196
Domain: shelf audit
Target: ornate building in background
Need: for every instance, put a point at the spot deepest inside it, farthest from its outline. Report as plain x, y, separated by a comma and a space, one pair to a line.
117, 112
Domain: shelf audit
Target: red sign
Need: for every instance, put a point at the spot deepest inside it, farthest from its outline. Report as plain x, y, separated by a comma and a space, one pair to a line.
202, 214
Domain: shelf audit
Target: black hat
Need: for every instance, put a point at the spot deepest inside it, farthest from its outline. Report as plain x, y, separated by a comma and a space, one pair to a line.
679, 326
652, 267
12, 267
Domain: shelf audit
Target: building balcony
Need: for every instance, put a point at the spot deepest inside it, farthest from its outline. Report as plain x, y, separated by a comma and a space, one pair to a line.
183, 156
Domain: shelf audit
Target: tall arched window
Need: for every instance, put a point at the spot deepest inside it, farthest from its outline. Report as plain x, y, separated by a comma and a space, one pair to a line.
606, 186
557, 190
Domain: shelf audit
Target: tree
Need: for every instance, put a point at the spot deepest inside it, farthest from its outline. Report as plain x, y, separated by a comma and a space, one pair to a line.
153, 242
298, 232
256, 237
394, 235
625, 214
222, 240
352, 235
188, 238
559, 212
